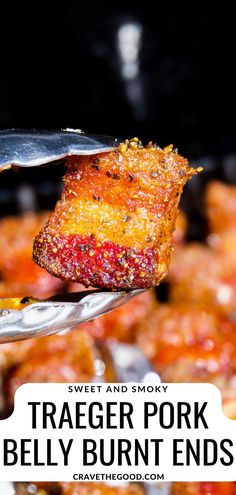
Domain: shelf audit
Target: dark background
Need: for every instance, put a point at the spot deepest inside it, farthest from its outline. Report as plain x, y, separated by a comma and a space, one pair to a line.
61, 66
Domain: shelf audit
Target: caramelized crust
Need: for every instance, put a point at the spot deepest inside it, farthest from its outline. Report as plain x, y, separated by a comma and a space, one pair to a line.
188, 343
199, 274
113, 226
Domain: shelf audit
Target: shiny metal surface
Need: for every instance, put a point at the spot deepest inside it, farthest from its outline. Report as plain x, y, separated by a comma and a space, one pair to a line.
157, 488
130, 364
32, 148
59, 313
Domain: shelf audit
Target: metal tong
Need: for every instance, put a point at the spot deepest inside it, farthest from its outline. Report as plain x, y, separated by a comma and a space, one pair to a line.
40, 318
33, 148
23, 148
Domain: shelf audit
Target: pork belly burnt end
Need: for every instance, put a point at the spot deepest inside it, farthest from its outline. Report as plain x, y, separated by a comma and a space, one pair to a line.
113, 226
220, 206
